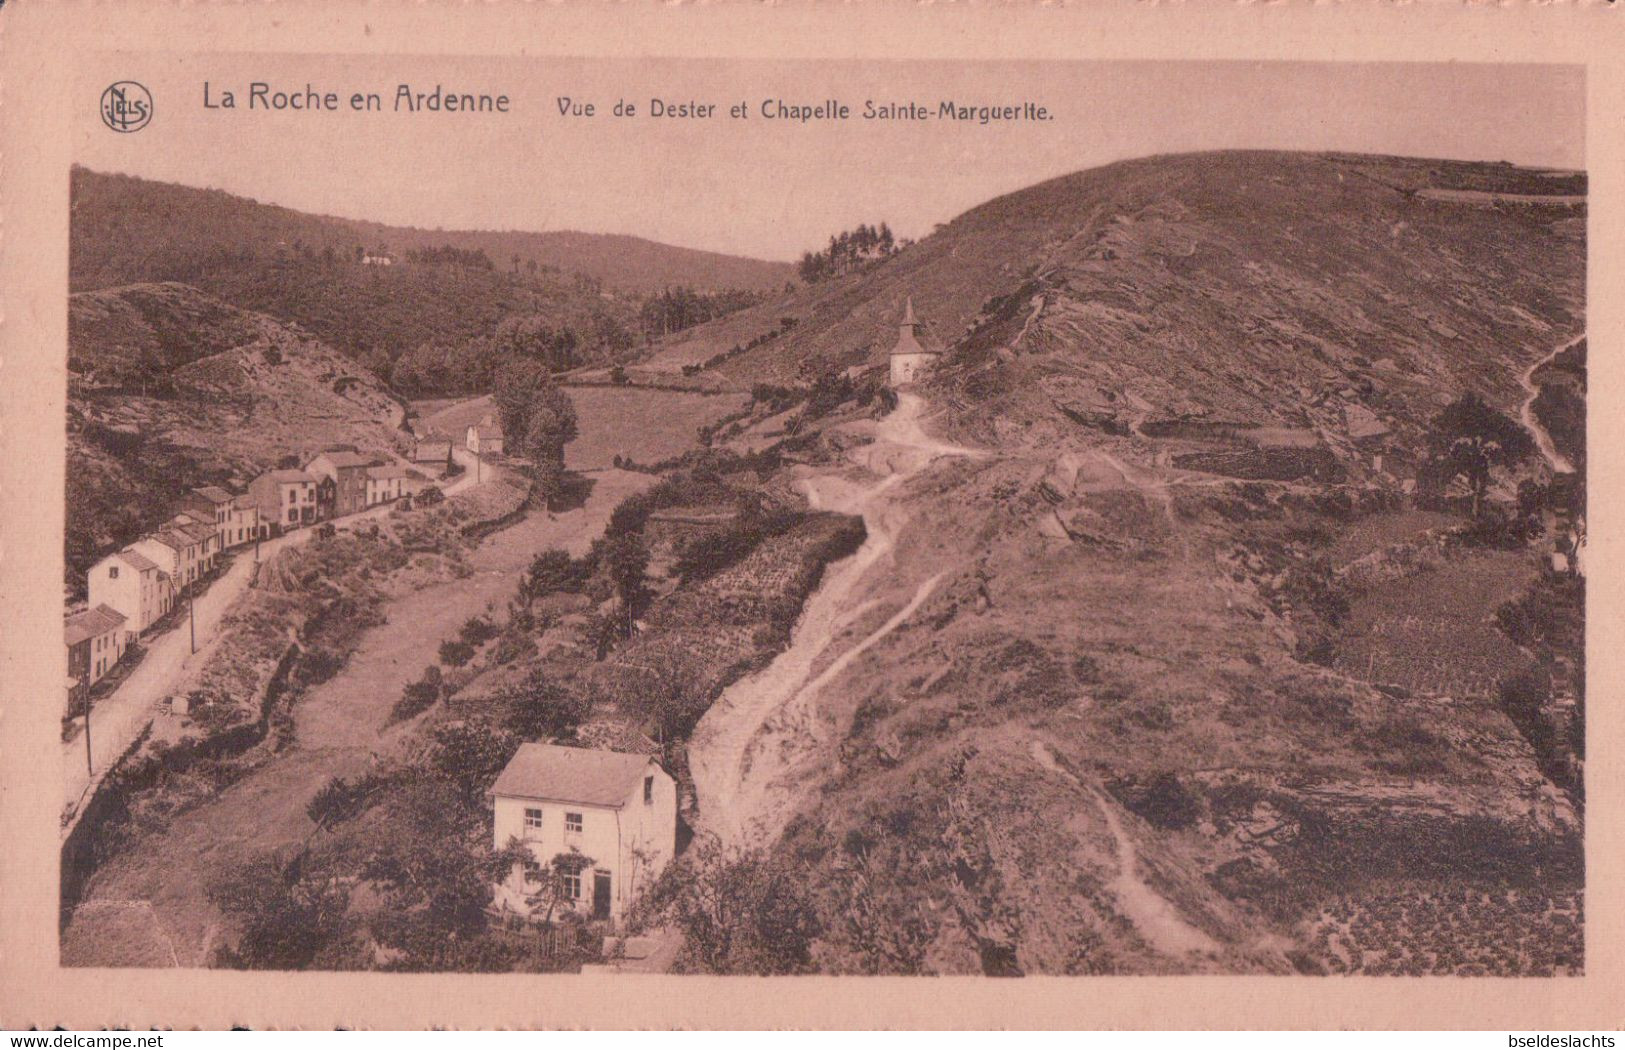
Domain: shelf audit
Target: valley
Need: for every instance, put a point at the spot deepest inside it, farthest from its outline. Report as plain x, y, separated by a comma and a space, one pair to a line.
1211, 601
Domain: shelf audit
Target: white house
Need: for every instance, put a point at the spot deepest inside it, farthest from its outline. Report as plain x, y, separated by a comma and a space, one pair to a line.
617, 810
910, 358
242, 522
386, 483
209, 503
182, 548
485, 436
285, 498
134, 586
207, 535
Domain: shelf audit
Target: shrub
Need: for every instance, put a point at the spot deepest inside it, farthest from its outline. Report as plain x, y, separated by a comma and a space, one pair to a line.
455, 653
340, 800
1166, 803
477, 630
538, 707
418, 696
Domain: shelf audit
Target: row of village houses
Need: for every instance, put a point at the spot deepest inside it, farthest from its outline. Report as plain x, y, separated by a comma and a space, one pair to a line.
134, 588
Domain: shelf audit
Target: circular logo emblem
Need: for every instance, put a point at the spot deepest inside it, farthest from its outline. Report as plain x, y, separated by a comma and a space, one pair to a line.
126, 106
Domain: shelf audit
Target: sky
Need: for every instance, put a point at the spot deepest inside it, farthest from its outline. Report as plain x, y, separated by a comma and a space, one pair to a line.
773, 188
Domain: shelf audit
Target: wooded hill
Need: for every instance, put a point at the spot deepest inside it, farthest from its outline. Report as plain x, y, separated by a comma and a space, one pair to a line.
438, 292
157, 219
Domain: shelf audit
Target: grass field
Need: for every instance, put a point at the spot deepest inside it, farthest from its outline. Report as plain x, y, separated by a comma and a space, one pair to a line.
647, 425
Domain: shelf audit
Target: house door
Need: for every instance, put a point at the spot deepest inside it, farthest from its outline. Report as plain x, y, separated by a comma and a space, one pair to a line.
600, 895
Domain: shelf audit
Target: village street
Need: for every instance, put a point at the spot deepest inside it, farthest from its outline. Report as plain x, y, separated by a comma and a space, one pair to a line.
117, 720
150, 901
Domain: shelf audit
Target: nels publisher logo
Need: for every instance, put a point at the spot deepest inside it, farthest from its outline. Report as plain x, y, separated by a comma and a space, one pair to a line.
126, 106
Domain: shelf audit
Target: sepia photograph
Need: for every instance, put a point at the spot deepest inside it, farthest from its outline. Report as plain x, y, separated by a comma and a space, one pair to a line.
588, 525
1171, 565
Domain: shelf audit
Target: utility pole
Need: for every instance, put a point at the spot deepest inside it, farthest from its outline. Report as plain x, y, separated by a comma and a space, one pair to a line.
191, 614
90, 766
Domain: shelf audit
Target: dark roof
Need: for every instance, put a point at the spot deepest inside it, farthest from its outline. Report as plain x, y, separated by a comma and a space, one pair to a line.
908, 341
571, 774
189, 526
136, 560
82, 626
174, 539
212, 494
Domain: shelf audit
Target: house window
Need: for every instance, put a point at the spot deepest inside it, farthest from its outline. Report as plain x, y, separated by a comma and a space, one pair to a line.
112, 572
648, 789
533, 817
572, 822
292, 495
572, 886
533, 872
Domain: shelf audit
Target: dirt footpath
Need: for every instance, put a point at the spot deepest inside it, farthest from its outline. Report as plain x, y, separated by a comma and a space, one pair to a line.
339, 726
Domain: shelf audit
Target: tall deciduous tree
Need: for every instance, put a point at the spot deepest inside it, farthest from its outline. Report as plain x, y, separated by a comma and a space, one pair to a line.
627, 560
1470, 440
538, 419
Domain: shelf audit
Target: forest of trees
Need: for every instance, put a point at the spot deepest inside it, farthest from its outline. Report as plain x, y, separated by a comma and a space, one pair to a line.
469, 366
675, 309
849, 251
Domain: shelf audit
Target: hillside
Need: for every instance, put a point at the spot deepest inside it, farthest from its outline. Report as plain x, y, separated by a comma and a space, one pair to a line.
1156, 280
169, 389
1166, 662
165, 226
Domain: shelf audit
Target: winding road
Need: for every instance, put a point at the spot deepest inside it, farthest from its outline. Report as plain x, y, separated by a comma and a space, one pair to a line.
752, 739
1543, 440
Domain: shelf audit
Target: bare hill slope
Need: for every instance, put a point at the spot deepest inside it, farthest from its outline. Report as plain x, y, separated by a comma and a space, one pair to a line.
1239, 286
1123, 694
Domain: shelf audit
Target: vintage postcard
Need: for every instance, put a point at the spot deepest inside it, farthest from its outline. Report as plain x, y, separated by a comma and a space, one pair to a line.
520, 516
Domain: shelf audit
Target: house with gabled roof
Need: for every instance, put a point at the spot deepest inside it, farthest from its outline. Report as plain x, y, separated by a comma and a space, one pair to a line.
390, 482
207, 536
133, 585
485, 437
236, 519
95, 639
348, 470
175, 551
615, 812
433, 453
286, 498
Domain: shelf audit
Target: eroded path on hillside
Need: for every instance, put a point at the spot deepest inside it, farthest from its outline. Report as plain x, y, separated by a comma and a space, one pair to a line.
1543, 439
1153, 915
755, 735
